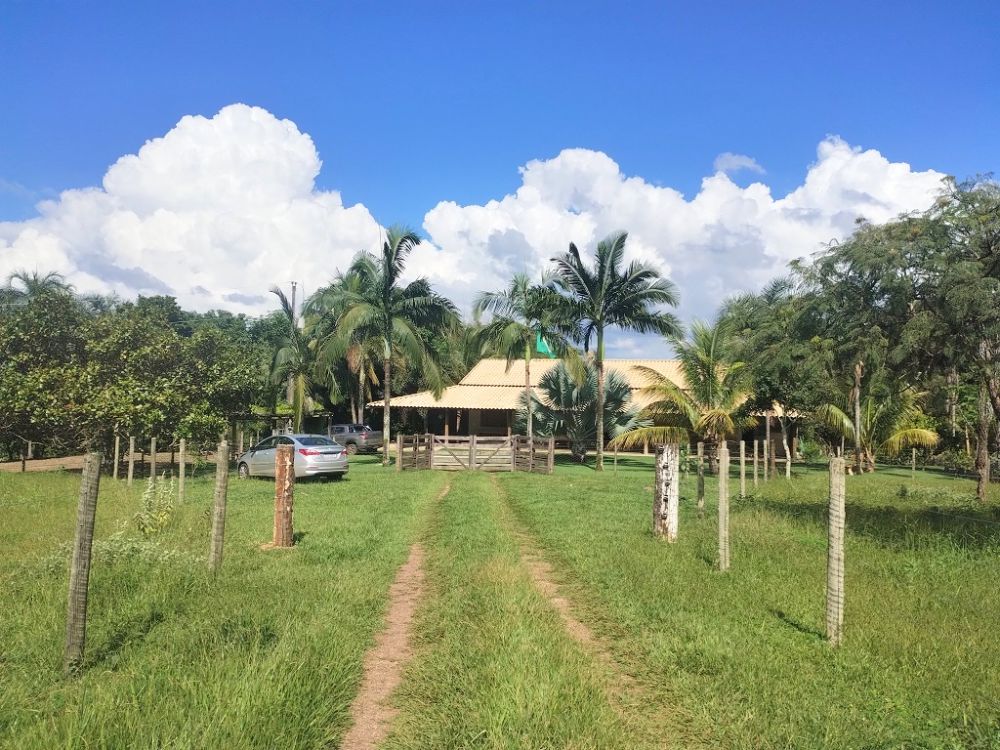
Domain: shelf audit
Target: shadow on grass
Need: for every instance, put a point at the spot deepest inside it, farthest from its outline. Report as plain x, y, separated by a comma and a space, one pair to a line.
963, 527
796, 625
131, 631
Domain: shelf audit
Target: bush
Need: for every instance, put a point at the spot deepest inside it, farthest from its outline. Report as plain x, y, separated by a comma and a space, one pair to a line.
953, 460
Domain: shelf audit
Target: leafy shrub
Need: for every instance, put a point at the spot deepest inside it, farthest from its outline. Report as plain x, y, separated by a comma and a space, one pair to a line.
157, 506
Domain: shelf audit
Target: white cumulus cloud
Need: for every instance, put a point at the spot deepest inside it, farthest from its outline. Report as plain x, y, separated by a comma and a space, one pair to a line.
219, 209
214, 212
729, 162
722, 240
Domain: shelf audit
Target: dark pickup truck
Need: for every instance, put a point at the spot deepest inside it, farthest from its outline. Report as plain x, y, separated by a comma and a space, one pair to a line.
357, 438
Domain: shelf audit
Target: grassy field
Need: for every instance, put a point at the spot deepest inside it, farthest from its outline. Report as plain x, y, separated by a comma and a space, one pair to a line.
269, 654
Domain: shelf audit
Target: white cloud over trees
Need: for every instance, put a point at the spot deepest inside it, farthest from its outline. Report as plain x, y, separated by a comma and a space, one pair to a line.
219, 209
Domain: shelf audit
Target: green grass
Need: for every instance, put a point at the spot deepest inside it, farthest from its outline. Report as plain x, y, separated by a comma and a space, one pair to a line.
495, 668
267, 655
742, 653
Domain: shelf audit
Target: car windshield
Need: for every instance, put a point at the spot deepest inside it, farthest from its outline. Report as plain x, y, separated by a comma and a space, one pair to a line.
316, 440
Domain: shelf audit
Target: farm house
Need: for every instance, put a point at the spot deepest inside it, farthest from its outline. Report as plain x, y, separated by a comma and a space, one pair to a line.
486, 399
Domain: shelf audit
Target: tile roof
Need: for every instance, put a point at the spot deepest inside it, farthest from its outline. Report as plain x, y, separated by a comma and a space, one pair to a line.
491, 385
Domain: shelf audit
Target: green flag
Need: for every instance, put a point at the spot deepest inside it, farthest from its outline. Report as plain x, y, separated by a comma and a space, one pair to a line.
542, 346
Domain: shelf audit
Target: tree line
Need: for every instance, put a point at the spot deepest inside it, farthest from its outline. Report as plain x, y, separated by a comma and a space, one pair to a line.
886, 340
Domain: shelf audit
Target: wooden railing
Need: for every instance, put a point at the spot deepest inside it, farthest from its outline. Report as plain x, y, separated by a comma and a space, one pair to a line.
475, 453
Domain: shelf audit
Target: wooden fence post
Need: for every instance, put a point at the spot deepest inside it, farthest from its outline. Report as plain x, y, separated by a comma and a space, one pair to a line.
513, 453
723, 507
430, 451
766, 449
666, 493
399, 452
118, 455
743, 469
284, 495
756, 448
913, 464
701, 479
31, 450
181, 472
835, 555
218, 505
131, 459
24, 459
79, 572
152, 459
472, 451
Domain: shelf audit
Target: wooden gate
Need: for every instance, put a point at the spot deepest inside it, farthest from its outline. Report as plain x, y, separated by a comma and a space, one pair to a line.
475, 453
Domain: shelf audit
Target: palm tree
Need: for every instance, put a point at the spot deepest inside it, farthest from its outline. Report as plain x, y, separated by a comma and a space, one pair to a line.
569, 406
525, 318
398, 319
888, 424
713, 402
608, 294
294, 360
23, 286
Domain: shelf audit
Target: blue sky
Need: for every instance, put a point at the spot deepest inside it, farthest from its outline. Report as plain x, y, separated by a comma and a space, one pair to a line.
411, 103
412, 106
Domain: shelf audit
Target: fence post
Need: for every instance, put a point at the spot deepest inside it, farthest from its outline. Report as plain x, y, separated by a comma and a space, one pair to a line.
743, 469
399, 452
24, 459
218, 505
131, 459
666, 494
472, 451
284, 495
756, 448
835, 555
181, 472
513, 453
723, 507
552, 453
430, 451
152, 459
766, 448
31, 450
913, 464
701, 479
79, 572
118, 455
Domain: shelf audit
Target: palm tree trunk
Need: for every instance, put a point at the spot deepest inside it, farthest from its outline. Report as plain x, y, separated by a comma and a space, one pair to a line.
983, 445
783, 421
599, 465
527, 392
859, 368
361, 397
386, 374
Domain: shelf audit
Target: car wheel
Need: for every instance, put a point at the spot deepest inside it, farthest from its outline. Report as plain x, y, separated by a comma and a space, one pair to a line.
336, 477
243, 471
352, 448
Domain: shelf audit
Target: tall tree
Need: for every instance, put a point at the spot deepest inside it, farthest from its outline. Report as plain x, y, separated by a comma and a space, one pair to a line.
294, 360
790, 360
609, 293
527, 318
23, 286
384, 311
713, 401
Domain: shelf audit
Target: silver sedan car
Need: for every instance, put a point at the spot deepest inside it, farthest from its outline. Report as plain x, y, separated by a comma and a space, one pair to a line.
315, 455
